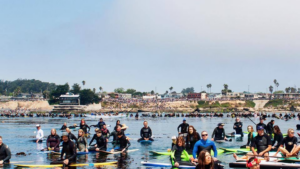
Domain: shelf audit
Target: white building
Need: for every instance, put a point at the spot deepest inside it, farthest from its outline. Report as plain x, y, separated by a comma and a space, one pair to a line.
125, 96
152, 97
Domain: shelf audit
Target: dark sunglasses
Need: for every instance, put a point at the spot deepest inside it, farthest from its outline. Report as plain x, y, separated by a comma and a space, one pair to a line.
204, 135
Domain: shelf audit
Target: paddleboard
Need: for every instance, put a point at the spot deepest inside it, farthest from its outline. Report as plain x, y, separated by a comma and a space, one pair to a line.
145, 141
152, 164
60, 165
266, 165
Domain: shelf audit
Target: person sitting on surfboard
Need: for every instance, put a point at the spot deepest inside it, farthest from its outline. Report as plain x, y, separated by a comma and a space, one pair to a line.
219, 133
184, 127
191, 139
71, 135
263, 144
278, 137
105, 132
63, 127
145, 132
251, 135
177, 151
53, 141
174, 138
101, 143
238, 127
204, 144
94, 136
5, 153
122, 141
290, 144
82, 143
84, 127
205, 161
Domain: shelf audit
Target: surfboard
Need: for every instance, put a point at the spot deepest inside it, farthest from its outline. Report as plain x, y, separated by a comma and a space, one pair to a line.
60, 165
152, 164
145, 141
266, 165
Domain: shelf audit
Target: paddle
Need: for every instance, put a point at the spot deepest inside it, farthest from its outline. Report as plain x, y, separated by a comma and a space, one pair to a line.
251, 120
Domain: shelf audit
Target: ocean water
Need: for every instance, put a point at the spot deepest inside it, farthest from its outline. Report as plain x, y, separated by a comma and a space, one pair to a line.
18, 132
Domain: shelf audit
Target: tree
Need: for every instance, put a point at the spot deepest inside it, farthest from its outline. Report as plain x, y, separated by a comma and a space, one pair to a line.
130, 91
152, 92
293, 90
171, 88
271, 89
17, 91
83, 83
46, 94
226, 87
277, 84
88, 97
207, 86
287, 90
119, 90
75, 88
100, 88
94, 90
166, 92
60, 90
188, 90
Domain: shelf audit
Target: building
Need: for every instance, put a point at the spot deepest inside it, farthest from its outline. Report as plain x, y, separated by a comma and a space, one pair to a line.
69, 99
152, 97
175, 95
252, 96
125, 96
214, 96
201, 96
287, 95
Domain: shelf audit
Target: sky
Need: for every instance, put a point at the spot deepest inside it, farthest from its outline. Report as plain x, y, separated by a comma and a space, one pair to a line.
152, 44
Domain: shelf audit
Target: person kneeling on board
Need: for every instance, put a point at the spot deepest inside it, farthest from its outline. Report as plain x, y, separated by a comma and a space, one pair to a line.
146, 132
5, 153
69, 150
100, 142
82, 143
177, 151
122, 141
219, 133
290, 144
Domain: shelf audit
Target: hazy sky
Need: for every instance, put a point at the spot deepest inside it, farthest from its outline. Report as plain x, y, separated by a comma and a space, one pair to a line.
148, 44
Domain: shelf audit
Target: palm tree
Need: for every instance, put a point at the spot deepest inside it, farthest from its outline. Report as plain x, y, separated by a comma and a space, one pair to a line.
271, 89
275, 82
83, 83
152, 92
94, 90
207, 86
100, 88
171, 88
167, 92
210, 87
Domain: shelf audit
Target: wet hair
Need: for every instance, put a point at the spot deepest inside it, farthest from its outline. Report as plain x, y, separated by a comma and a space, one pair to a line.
252, 130
276, 127
54, 131
97, 129
80, 130
201, 159
118, 121
195, 135
182, 141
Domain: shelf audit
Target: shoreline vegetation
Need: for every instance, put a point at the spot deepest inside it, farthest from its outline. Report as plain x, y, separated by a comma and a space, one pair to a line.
276, 105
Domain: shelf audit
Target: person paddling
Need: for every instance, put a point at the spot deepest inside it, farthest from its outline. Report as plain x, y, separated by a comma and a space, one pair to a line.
219, 133
100, 142
290, 144
5, 153
146, 132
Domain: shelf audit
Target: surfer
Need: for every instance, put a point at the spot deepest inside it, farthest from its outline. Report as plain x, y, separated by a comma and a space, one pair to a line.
177, 150
82, 143
105, 132
278, 137
5, 153
261, 123
71, 135
63, 127
183, 126
118, 123
69, 150
100, 142
263, 143
146, 132
53, 141
84, 127
238, 127
192, 137
39, 133
270, 128
122, 141
219, 133
290, 144
101, 123
205, 161
94, 136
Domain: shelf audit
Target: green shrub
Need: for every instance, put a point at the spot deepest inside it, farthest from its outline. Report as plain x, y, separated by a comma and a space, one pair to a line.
274, 103
249, 103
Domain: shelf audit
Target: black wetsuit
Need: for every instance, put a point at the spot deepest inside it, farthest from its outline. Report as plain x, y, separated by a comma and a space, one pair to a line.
53, 142
270, 129
123, 142
184, 127
217, 165
277, 138
146, 133
82, 143
69, 149
94, 137
190, 141
289, 143
100, 124
63, 127
105, 132
218, 134
238, 129
261, 124
114, 134
101, 144
249, 139
84, 128
117, 126
5, 153
177, 155
261, 142
72, 137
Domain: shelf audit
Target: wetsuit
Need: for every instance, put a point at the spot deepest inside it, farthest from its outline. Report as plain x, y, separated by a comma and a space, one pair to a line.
84, 128
146, 133
191, 141
184, 127
218, 134
5, 153
277, 138
82, 143
114, 134
53, 142
204, 145
270, 129
289, 143
250, 138
100, 124
217, 165
123, 143
63, 127
101, 144
69, 149
94, 137
117, 126
176, 155
238, 129
72, 137
105, 132
261, 142
261, 124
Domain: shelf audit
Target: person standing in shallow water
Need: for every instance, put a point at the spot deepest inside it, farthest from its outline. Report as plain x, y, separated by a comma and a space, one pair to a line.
5, 153
238, 127
39, 133
184, 127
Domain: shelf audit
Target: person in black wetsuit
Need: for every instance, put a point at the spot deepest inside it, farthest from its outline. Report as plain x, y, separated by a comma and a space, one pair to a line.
122, 141
290, 144
145, 132
53, 141
263, 144
278, 137
69, 149
177, 151
192, 137
101, 123
82, 143
100, 142
238, 127
205, 161
118, 123
5, 153
251, 135
105, 132
84, 127
184, 127
219, 133
71, 136
95, 135
63, 127
261, 123
114, 134
270, 128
